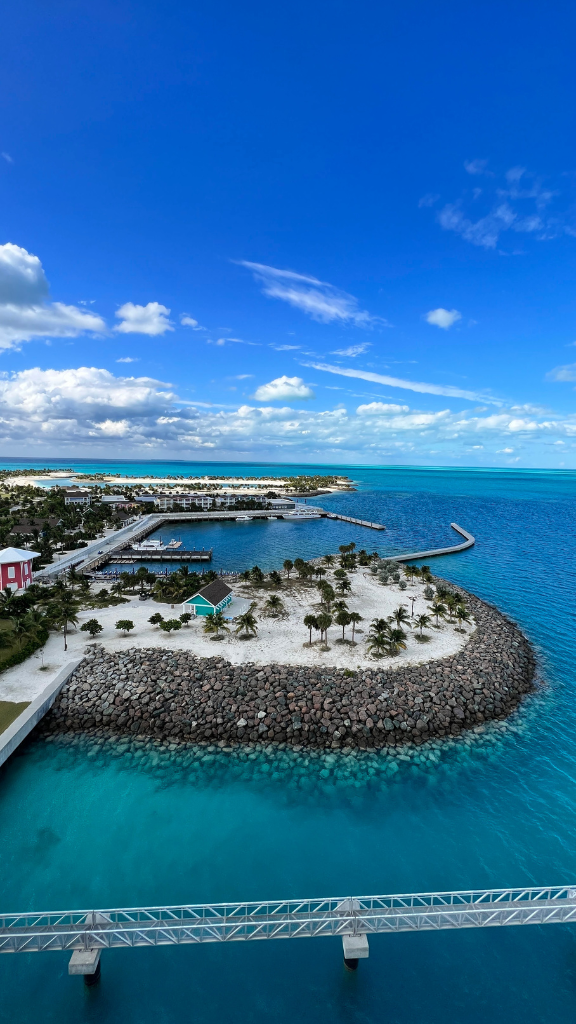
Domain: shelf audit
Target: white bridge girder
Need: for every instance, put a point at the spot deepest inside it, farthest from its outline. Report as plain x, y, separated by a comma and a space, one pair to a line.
287, 919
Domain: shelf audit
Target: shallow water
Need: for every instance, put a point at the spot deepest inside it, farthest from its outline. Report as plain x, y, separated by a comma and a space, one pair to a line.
83, 827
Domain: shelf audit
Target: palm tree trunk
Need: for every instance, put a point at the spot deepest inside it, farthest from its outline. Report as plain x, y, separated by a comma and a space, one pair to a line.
65, 625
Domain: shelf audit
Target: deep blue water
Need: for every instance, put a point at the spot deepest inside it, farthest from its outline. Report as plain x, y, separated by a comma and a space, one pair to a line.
79, 831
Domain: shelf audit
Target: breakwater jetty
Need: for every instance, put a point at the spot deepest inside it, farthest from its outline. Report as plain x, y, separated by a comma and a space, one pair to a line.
178, 697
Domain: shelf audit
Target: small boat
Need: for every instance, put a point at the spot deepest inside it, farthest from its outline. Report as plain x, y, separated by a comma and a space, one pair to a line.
272, 518
174, 544
243, 519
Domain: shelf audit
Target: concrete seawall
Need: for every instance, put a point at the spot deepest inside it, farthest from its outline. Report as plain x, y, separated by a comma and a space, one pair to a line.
12, 737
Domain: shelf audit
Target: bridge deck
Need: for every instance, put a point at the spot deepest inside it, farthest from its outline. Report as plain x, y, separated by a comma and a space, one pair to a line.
286, 919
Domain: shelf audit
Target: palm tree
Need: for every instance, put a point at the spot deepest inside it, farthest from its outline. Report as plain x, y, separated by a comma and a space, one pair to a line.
438, 609
246, 624
400, 616
340, 606
343, 619
311, 622
355, 618
274, 605
344, 586
215, 623
451, 602
328, 559
288, 566
396, 638
421, 621
324, 623
327, 594
20, 631
462, 614
379, 626
63, 611
377, 644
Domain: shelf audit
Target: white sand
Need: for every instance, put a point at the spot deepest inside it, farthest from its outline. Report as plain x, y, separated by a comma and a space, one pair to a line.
278, 640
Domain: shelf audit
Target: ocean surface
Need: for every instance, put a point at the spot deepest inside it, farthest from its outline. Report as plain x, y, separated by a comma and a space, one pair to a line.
79, 829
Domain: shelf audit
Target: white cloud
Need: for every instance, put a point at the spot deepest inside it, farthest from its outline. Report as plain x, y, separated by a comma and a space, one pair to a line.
7, 158
443, 317
408, 385
318, 299
128, 359
151, 319
236, 341
380, 409
91, 410
476, 166
25, 312
485, 231
352, 350
189, 321
294, 348
562, 374
283, 389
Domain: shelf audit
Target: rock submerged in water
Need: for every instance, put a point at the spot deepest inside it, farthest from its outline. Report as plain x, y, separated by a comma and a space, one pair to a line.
177, 697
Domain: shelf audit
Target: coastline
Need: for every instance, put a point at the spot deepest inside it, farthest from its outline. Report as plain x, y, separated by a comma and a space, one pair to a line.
180, 698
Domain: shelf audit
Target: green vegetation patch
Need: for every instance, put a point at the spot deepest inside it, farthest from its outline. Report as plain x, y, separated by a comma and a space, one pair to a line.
9, 712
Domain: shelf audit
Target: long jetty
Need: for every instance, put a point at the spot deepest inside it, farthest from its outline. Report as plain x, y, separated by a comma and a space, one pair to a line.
468, 543
353, 919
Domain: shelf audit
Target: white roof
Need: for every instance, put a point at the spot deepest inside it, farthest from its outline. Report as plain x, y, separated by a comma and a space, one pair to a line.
17, 555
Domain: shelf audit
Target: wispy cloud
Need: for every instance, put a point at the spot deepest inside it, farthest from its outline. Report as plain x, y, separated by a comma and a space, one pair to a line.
562, 374
409, 385
318, 299
225, 341
128, 359
476, 167
519, 203
188, 321
429, 199
443, 317
293, 348
352, 351
7, 158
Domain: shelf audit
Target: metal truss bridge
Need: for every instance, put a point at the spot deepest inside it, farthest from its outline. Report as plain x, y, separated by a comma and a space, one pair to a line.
87, 933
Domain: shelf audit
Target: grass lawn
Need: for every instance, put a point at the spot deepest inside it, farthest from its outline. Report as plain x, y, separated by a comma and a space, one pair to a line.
9, 712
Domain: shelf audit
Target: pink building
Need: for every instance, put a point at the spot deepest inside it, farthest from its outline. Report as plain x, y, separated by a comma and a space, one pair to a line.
16, 568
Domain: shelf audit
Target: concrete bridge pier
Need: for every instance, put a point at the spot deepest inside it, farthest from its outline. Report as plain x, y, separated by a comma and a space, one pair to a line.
86, 962
355, 948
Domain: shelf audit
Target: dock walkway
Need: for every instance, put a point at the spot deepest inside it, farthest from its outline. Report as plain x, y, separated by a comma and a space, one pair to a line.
468, 543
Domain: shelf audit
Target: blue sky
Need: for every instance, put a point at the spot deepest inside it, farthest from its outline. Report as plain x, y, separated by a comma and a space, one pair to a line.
325, 232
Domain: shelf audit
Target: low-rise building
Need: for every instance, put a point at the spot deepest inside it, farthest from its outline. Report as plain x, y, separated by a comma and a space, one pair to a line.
212, 598
16, 568
77, 496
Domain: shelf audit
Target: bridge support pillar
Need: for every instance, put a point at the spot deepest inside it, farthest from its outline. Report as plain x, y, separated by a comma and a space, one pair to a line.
355, 948
86, 962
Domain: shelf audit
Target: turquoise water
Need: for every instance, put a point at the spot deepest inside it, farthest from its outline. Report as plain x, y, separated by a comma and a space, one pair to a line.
80, 828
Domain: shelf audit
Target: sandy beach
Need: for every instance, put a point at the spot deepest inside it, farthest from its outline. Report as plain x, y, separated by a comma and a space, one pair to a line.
279, 640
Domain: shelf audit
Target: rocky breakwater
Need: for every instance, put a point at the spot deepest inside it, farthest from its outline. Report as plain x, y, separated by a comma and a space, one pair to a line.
176, 697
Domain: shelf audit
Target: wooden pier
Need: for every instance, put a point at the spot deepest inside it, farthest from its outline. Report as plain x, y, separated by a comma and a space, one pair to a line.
153, 555
357, 522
